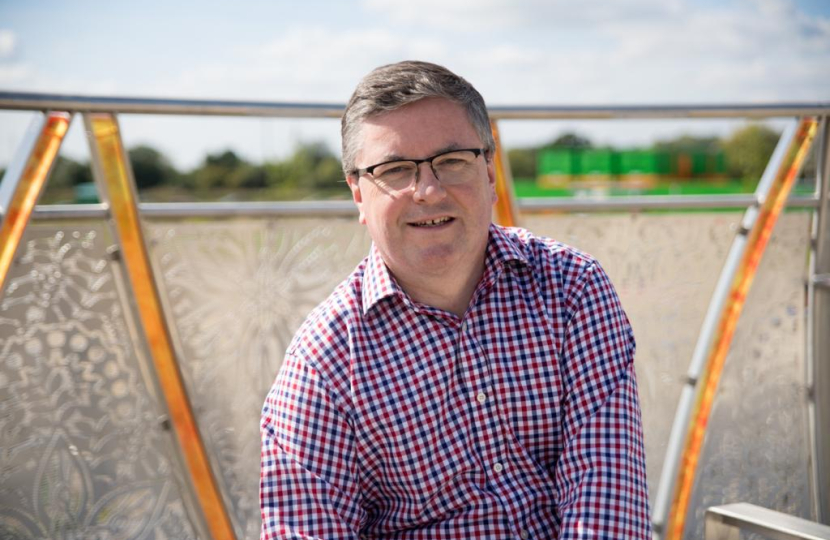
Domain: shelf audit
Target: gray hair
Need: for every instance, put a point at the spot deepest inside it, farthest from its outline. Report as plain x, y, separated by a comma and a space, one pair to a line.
393, 86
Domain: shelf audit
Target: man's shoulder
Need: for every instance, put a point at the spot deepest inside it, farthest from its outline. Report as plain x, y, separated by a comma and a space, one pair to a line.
325, 331
549, 257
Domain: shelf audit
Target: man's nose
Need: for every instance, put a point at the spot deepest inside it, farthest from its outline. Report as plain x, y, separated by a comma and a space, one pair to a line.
428, 187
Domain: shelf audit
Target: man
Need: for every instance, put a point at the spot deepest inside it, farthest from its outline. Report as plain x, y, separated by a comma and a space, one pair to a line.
466, 381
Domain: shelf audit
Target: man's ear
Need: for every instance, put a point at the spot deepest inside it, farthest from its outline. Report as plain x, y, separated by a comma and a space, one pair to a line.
491, 176
357, 197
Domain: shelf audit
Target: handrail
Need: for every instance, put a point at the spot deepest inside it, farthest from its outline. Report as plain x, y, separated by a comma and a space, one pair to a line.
206, 107
722, 520
347, 208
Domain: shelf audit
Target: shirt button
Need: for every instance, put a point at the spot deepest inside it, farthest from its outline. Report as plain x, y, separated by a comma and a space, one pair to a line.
498, 467
524, 534
464, 326
481, 397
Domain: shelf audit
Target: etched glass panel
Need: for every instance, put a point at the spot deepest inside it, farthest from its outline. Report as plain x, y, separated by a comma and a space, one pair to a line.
82, 453
665, 267
236, 291
757, 447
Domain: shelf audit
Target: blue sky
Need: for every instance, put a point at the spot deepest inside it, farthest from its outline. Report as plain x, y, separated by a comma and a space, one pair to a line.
515, 52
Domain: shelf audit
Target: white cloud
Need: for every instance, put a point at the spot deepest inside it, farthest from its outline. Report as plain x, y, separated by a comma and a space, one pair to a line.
511, 14
310, 63
8, 43
515, 52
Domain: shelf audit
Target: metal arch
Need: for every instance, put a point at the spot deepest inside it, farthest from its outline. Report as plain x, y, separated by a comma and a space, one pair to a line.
24, 180
725, 307
113, 176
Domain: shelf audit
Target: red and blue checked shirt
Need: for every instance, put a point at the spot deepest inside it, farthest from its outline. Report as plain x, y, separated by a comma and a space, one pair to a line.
394, 419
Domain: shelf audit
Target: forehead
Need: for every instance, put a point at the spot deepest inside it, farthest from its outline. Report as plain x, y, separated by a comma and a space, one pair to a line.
415, 131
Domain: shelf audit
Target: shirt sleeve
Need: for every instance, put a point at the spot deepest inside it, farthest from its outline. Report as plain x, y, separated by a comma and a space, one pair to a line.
308, 473
600, 476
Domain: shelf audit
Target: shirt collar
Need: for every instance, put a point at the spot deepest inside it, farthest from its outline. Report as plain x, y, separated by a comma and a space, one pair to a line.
503, 246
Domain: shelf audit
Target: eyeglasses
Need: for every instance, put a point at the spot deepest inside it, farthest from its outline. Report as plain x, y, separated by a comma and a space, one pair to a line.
450, 168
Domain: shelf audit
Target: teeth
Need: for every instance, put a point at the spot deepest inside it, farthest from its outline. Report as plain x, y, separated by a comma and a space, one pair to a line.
431, 222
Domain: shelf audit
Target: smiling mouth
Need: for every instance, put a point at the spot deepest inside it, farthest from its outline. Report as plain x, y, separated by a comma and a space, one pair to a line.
432, 222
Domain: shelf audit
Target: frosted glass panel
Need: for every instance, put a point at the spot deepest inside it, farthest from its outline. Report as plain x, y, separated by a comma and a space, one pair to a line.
236, 292
81, 447
665, 267
82, 453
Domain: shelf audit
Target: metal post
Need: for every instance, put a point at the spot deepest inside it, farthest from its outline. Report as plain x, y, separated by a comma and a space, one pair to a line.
818, 333
505, 209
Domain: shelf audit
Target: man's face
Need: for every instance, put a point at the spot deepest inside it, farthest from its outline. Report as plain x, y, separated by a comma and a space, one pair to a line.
428, 229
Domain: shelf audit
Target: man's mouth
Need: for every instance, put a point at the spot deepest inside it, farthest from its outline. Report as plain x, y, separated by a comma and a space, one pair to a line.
431, 222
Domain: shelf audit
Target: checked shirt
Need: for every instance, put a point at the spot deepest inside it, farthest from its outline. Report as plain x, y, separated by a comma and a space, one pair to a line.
393, 419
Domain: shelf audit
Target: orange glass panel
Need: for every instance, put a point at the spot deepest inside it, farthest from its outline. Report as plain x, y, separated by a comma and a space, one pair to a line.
120, 192
505, 205
756, 244
29, 186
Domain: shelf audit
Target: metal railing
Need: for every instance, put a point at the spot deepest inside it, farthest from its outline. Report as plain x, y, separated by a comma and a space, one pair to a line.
113, 173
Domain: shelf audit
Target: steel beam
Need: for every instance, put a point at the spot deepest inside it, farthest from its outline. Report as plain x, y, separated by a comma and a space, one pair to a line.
23, 181
135, 105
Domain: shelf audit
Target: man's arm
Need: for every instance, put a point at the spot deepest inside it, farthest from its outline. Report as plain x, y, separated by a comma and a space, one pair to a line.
600, 476
308, 474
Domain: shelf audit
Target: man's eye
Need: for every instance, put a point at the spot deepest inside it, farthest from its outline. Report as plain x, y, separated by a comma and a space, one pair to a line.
394, 170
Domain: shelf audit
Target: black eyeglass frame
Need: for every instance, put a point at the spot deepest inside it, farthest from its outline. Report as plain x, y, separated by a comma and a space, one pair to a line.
370, 169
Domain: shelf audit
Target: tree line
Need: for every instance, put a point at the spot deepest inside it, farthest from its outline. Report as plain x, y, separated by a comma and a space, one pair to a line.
313, 171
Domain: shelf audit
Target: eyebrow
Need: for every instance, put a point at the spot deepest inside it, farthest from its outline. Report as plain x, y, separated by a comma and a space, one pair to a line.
397, 157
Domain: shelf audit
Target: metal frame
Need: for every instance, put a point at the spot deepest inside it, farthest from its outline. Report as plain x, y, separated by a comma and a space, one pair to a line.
114, 178
818, 346
131, 105
726, 305
680, 427
818, 337
24, 180
504, 210
725, 523
347, 208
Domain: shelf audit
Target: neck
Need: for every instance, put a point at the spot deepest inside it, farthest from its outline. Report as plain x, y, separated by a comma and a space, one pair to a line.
451, 291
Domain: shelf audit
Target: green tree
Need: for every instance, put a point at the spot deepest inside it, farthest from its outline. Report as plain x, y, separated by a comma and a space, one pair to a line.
689, 143
247, 176
216, 171
748, 150
68, 173
522, 162
151, 168
569, 140
314, 167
